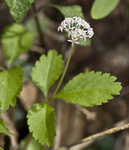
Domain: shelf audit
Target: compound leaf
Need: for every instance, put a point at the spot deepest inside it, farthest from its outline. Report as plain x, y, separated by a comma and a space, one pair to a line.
3, 128
10, 86
19, 8
70, 11
15, 40
47, 70
102, 8
42, 123
90, 89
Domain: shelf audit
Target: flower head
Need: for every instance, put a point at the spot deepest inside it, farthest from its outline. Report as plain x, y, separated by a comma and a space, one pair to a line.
77, 29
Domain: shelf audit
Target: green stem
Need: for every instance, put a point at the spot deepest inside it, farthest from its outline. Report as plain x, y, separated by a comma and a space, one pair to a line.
39, 29
65, 70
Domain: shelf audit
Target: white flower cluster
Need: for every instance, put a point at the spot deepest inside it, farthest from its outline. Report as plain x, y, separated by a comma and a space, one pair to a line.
77, 29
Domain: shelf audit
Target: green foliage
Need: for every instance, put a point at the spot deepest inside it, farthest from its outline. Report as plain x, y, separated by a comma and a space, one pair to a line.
42, 122
10, 87
89, 89
102, 8
15, 40
70, 11
47, 71
19, 8
1, 148
3, 128
86, 89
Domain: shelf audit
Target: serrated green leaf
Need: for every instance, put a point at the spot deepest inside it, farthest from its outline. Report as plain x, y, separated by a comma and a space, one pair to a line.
19, 8
47, 70
15, 40
1, 148
42, 123
70, 11
3, 128
102, 8
10, 86
89, 89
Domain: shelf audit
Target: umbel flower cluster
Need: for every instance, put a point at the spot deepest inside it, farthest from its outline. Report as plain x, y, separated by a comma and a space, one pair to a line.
77, 29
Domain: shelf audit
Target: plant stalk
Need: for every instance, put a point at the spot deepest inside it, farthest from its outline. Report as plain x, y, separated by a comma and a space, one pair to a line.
65, 70
39, 29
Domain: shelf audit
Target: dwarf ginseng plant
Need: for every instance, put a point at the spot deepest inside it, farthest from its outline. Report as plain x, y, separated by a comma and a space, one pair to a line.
86, 89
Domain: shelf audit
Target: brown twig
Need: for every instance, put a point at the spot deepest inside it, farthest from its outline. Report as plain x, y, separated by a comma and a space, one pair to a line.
107, 132
89, 115
89, 140
94, 137
12, 129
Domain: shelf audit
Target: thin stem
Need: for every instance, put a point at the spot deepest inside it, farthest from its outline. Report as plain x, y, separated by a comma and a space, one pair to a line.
39, 29
65, 69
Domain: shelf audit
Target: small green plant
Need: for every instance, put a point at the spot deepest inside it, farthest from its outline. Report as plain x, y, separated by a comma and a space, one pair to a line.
86, 89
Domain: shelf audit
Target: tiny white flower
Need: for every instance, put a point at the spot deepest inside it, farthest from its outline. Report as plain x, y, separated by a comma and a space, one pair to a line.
77, 29
60, 28
90, 32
